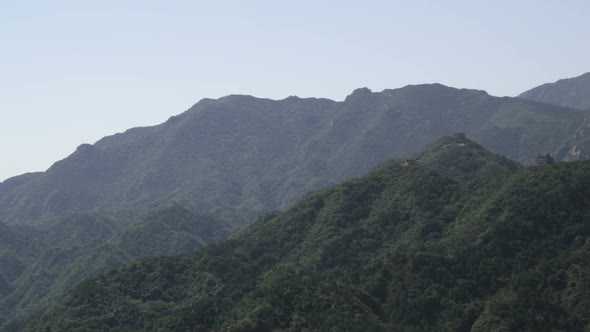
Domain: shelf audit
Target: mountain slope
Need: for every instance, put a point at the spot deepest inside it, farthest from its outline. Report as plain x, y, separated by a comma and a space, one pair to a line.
570, 92
577, 147
18, 248
55, 259
239, 156
403, 248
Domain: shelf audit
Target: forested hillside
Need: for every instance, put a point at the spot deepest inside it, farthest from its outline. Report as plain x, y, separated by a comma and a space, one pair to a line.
228, 160
300, 166
37, 265
439, 244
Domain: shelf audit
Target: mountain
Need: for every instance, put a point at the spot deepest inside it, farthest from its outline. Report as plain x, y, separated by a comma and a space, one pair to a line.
439, 243
458, 156
230, 160
569, 92
574, 93
239, 156
38, 265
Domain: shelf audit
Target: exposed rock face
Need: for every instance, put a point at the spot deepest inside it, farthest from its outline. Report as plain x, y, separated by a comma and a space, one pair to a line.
579, 147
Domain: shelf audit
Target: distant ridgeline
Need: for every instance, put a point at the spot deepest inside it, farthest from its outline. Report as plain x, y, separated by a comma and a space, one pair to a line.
569, 92
239, 156
459, 240
174, 188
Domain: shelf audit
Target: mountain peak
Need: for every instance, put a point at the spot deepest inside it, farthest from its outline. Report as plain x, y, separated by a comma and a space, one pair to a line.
458, 155
359, 93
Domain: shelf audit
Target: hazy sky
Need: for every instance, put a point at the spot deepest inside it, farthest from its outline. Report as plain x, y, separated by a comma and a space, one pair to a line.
72, 72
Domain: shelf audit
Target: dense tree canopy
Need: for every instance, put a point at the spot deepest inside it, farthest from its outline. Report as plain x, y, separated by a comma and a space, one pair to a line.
403, 248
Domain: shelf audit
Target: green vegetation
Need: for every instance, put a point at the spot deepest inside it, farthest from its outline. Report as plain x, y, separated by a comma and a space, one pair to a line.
410, 248
38, 266
237, 157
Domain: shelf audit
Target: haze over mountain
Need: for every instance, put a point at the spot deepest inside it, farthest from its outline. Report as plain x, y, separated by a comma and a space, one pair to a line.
238, 156
569, 92
438, 245
67, 77
173, 188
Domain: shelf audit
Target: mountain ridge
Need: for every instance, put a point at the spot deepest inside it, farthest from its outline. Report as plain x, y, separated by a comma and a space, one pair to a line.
327, 141
204, 101
571, 92
401, 248
238, 157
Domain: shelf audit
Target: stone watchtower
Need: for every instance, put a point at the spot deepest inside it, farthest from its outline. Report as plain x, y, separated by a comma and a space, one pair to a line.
545, 159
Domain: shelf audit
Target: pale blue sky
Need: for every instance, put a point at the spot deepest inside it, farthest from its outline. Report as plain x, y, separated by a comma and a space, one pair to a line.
72, 72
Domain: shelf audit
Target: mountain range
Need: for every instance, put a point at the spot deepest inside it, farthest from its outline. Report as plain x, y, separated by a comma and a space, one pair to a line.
239, 156
190, 182
439, 244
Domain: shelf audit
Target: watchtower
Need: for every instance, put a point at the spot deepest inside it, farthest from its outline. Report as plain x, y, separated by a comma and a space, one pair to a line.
409, 162
545, 159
